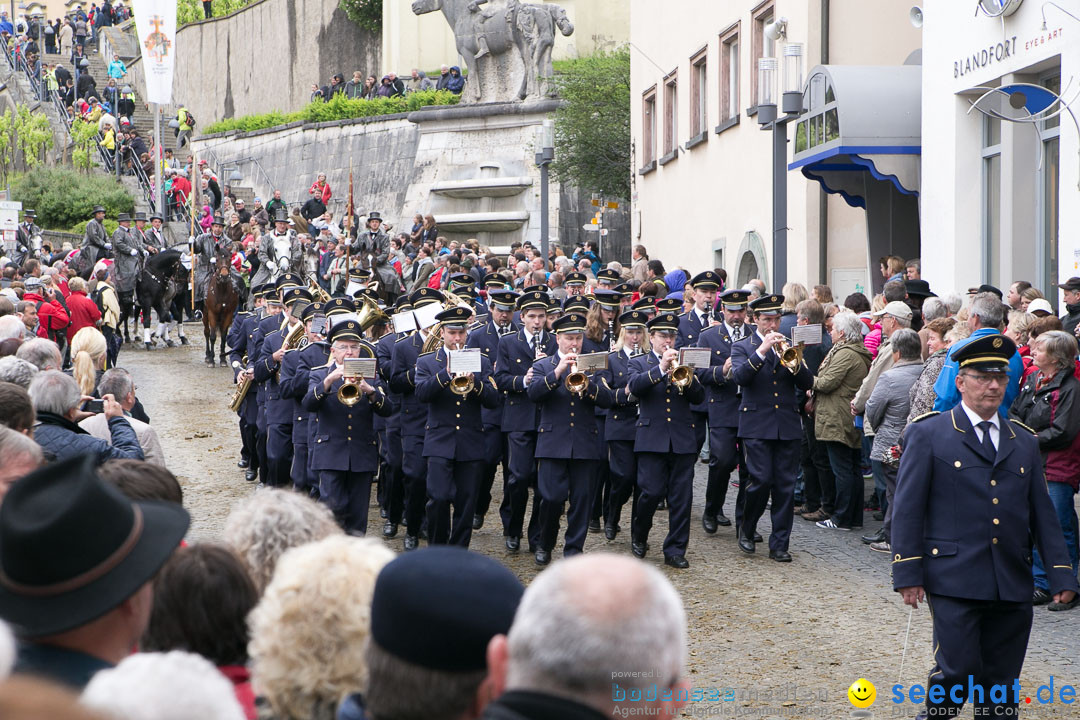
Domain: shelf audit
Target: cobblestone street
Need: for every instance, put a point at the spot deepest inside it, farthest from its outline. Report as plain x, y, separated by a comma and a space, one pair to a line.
787, 638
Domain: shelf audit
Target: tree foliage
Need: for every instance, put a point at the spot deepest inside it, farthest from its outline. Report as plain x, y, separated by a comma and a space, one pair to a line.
191, 10
84, 137
365, 13
25, 137
592, 128
64, 197
338, 108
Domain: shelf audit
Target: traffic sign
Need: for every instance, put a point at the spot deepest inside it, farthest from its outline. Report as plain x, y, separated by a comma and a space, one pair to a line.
590, 228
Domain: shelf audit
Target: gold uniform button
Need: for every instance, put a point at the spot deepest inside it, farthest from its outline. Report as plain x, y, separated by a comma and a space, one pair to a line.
956, 464
349, 439
776, 394
934, 551
896, 556
993, 483
995, 501
571, 414
994, 541
571, 424
457, 427
458, 402
996, 521
349, 428
777, 407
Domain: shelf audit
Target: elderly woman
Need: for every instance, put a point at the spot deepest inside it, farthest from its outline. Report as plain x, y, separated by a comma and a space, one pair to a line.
1049, 404
266, 524
838, 380
887, 412
922, 394
309, 630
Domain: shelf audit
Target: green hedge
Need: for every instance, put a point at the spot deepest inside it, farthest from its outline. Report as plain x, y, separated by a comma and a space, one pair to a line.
64, 197
339, 108
110, 227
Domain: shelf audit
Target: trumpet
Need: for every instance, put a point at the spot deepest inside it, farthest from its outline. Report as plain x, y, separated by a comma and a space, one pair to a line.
576, 382
349, 392
681, 376
790, 357
461, 383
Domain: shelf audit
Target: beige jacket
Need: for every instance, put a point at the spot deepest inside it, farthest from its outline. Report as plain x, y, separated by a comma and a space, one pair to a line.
98, 426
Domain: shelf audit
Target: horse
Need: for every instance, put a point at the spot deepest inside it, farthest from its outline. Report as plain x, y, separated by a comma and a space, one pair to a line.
155, 289
219, 308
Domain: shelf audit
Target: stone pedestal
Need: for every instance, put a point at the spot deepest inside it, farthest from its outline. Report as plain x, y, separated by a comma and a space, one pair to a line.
475, 171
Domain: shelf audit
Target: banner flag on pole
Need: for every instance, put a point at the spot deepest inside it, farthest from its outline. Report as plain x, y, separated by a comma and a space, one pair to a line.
155, 21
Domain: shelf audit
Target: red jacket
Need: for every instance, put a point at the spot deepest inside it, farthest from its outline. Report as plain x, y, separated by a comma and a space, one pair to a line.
51, 314
325, 191
84, 313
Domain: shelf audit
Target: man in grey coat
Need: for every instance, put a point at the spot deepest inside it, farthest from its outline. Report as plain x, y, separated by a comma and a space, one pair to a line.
130, 252
280, 251
886, 412
206, 248
372, 246
96, 243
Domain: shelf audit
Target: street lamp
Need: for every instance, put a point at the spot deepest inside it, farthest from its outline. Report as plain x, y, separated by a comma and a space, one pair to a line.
545, 144
769, 120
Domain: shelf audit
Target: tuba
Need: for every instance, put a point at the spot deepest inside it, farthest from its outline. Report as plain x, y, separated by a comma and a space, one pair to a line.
790, 357
316, 290
370, 313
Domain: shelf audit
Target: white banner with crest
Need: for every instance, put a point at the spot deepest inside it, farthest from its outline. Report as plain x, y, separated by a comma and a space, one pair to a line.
155, 21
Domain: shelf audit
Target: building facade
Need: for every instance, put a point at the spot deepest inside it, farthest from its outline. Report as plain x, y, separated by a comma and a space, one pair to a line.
1000, 151
703, 169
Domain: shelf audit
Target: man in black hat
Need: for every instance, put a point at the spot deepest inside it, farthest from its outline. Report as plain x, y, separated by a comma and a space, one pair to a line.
373, 248
95, 244
454, 440
130, 253
280, 250
429, 659
209, 247
1070, 290
293, 384
970, 499
345, 453
24, 238
155, 234
76, 564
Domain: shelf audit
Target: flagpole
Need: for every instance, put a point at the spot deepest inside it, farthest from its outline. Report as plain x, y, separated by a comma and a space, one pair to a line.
191, 248
348, 226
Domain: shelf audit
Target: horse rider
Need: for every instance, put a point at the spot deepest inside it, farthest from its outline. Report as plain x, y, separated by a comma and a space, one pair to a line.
280, 251
155, 235
140, 231
96, 245
373, 248
206, 248
24, 238
129, 251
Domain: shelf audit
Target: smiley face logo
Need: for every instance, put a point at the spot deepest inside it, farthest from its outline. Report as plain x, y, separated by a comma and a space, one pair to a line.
862, 693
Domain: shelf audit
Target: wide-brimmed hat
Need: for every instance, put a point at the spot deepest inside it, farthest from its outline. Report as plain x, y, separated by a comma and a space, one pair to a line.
97, 209
72, 547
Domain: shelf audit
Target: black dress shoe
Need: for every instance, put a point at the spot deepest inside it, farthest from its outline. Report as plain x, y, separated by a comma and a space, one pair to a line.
676, 561
477, 522
610, 531
709, 523
757, 537
250, 475
411, 542
879, 515
879, 536
746, 545
662, 505
594, 525
382, 513
543, 557
722, 520
780, 555
639, 548
513, 543
243, 463
389, 530
1040, 597
423, 534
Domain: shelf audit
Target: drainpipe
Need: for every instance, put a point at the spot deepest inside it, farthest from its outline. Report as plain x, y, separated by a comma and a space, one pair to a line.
823, 197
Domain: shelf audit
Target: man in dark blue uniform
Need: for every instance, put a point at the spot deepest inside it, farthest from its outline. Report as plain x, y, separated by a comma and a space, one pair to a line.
500, 322
293, 384
620, 427
413, 419
317, 355
664, 442
454, 439
970, 499
269, 321
723, 409
390, 450
575, 283
601, 332
240, 334
692, 324
518, 352
769, 427
606, 279
566, 441
345, 452
279, 409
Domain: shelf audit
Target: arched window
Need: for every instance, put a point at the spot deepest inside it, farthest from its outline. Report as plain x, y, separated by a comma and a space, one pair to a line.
820, 124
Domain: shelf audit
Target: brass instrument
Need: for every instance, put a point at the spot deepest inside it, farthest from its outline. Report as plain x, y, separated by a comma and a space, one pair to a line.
242, 388
434, 339
681, 376
316, 290
295, 339
349, 392
576, 382
369, 313
461, 383
635, 350
790, 357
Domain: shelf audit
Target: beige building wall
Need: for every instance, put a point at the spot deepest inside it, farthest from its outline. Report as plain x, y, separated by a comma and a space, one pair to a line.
712, 203
426, 41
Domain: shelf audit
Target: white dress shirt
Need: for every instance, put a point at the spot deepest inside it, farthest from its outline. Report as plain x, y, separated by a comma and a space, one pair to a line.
995, 425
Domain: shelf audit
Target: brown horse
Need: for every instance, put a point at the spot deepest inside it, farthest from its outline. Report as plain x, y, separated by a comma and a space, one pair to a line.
219, 307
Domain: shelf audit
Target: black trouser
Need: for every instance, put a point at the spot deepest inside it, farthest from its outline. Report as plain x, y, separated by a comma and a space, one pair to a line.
725, 454
247, 443
601, 498
623, 465
348, 495
279, 454
819, 491
665, 475
494, 454
773, 465
414, 469
208, 9
392, 477
522, 462
452, 482
560, 480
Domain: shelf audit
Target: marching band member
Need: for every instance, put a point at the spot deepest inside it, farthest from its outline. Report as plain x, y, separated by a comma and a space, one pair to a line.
664, 442
279, 449
240, 333
454, 440
270, 322
390, 450
295, 373
771, 436
345, 453
513, 373
723, 409
691, 324
601, 332
566, 443
500, 322
621, 425
413, 419
607, 279
575, 283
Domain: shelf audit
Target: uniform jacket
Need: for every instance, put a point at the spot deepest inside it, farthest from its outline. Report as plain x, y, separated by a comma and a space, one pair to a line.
1053, 412
124, 241
841, 374
487, 339
665, 423
384, 357
454, 430
722, 396
345, 439
621, 423
278, 405
963, 522
770, 407
515, 358
239, 340
690, 329
567, 428
403, 381
296, 368
888, 406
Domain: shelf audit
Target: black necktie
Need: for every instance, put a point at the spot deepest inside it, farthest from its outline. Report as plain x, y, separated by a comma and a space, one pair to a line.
987, 442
